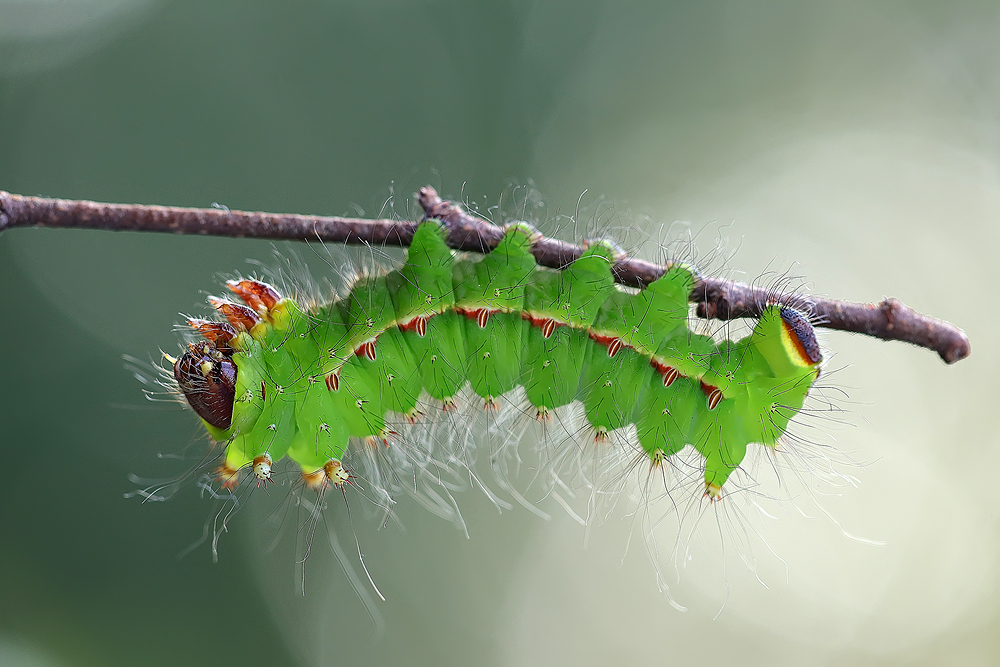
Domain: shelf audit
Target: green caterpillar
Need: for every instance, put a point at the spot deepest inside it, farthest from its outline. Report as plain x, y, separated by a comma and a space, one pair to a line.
277, 379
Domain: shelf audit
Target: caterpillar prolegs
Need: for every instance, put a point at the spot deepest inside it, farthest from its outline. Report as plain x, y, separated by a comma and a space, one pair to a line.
278, 378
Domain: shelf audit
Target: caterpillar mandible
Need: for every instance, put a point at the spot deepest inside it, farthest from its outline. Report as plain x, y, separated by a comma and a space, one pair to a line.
276, 378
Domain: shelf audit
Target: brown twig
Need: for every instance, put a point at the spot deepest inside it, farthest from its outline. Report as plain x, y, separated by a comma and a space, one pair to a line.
19, 211
716, 298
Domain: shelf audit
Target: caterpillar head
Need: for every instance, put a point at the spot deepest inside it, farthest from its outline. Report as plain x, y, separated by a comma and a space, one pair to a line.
206, 373
207, 376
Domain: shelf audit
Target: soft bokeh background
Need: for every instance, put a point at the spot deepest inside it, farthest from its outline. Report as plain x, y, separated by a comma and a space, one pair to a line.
856, 144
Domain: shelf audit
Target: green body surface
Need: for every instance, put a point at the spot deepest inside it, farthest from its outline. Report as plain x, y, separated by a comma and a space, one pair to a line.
310, 381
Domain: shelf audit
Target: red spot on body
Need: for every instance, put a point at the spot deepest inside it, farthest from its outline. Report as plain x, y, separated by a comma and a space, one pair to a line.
546, 324
714, 395
417, 324
668, 373
480, 315
613, 343
366, 350
332, 381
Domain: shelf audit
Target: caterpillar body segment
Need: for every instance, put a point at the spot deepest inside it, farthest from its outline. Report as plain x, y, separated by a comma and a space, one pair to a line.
490, 293
424, 300
560, 307
278, 380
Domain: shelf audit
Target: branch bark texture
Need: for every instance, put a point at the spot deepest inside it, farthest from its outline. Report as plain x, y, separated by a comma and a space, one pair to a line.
716, 298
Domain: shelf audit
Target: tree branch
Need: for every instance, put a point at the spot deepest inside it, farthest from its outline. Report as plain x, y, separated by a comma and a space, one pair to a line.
716, 298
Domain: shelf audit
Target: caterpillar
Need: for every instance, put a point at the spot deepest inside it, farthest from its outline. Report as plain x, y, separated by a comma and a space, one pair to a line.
275, 378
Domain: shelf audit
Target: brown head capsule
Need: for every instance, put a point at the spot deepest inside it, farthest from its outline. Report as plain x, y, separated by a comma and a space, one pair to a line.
207, 376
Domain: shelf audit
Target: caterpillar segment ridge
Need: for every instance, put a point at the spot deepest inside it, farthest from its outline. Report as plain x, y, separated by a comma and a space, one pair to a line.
273, 379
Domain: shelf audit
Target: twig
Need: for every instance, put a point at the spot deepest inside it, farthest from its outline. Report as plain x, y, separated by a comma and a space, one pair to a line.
716, 298
19, 211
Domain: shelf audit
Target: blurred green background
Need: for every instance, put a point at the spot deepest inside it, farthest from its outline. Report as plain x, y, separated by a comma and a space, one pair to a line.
856, 144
